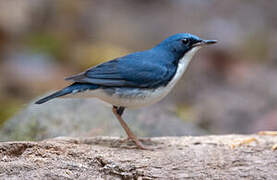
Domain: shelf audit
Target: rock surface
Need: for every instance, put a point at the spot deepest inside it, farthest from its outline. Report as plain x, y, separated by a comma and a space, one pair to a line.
79, 117
204, 157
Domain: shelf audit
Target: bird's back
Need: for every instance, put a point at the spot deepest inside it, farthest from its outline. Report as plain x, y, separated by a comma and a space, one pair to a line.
146, 69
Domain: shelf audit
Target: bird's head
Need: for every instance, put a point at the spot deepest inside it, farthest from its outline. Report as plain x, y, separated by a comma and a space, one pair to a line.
182, 43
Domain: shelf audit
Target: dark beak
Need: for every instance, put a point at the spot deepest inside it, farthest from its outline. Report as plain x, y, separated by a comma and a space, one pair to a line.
205, 42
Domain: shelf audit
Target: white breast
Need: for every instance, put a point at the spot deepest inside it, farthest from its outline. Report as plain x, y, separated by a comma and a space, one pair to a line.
134, 97
182, 66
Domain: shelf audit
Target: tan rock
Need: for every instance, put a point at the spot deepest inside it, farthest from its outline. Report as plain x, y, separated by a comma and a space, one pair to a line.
204, 157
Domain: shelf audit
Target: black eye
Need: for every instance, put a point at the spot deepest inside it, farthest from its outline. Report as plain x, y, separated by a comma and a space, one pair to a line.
185, 41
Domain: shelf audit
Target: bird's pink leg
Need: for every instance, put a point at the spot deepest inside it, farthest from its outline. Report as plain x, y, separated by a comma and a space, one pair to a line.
128, 131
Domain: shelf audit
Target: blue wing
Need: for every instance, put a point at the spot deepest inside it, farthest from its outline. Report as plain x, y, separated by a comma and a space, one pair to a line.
140, 70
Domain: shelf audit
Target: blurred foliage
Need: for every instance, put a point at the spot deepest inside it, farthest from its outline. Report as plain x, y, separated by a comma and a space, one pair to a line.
185, 112
46, 43
256, 46
88, 55
8, 108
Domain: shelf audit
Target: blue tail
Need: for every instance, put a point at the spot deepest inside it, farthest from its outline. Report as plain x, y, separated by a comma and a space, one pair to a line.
74, 88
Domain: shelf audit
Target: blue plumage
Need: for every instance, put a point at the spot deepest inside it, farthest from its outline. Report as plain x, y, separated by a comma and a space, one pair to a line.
147, 69
73, 88
137, 79
139, 70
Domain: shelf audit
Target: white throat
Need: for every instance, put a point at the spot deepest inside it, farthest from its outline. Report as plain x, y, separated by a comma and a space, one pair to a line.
182, 66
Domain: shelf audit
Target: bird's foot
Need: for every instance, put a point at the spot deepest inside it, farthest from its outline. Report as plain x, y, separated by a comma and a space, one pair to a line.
140, 143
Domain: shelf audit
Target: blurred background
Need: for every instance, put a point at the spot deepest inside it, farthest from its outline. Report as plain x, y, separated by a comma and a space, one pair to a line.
229, 88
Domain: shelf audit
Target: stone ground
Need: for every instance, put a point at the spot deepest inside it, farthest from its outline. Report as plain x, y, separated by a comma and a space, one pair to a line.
203, 157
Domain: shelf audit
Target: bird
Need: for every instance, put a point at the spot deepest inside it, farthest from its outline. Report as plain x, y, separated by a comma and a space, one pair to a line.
137, 79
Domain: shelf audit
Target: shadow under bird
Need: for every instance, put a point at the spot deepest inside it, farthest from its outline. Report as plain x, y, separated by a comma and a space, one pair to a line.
137, 79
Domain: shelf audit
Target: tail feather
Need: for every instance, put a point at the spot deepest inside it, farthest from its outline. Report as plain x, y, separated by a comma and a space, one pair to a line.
52, 96
76, 87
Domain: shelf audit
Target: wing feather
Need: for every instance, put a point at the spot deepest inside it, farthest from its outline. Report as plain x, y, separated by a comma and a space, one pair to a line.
127, 72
